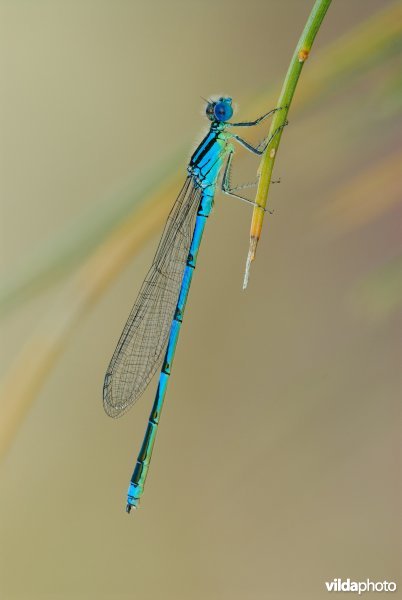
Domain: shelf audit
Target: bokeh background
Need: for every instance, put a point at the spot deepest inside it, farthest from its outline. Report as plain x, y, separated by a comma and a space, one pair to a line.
278, 463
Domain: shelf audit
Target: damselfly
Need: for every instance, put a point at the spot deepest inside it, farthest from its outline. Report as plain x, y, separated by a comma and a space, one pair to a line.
150, 335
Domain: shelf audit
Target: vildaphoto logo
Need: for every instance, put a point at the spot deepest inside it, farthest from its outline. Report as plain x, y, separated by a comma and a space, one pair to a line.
347, 585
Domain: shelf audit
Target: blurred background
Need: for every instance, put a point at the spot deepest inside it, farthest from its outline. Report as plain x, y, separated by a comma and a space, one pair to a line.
278, 463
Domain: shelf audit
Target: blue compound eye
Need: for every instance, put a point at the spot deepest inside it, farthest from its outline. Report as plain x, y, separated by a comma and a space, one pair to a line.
223, 111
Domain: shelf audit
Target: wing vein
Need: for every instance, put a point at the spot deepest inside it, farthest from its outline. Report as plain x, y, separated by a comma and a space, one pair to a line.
142, 344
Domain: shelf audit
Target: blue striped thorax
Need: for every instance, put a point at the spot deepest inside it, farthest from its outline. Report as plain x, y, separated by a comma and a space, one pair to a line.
207, 159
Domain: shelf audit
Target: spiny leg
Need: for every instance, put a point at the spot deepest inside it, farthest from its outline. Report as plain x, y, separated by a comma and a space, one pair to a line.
262, 146
226, 189
259, 120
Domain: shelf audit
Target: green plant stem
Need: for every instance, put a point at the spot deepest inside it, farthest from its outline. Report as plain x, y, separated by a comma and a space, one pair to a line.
299, 57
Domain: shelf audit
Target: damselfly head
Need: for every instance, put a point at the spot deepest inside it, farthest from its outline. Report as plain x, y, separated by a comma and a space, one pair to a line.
220, 110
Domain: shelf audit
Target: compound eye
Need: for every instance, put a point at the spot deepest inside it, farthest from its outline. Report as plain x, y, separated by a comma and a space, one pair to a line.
223, 111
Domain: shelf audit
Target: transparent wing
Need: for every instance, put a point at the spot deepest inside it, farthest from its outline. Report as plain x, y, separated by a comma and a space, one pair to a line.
142, 344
